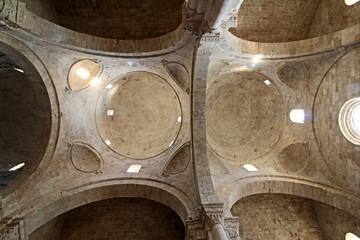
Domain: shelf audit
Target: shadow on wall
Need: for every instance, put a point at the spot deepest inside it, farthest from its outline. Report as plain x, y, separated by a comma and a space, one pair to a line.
117, 218
126, 20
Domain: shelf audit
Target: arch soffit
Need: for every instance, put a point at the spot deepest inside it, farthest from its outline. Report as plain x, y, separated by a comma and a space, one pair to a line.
325, 43
21, 53
301, 188
156, 191
92, 44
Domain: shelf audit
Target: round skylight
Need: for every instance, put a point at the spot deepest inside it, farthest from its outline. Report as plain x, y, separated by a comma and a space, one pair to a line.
349, 120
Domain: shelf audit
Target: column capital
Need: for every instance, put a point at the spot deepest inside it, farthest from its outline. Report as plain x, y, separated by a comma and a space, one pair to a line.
212, 214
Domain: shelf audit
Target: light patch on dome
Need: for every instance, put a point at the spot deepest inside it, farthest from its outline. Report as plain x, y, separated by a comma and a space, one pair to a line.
250, 168
257, 58
83, 73
297, 115
134, 168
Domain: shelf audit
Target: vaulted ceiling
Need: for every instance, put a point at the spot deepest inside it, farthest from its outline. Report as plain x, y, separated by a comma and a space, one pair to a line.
143, 99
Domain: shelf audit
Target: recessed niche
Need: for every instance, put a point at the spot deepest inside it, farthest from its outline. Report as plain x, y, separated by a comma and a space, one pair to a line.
82, 73
179, 161
180, 75
85, 158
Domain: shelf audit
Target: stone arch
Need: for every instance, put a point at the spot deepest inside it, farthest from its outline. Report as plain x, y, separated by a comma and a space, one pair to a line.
37, 75
155, 191
295, 48
301, 188
75, 40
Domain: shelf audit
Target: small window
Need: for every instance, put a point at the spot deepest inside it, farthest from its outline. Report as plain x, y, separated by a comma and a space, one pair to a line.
297, 115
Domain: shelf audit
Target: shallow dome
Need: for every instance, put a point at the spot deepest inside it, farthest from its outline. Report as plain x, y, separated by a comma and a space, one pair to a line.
244, 116
138, 115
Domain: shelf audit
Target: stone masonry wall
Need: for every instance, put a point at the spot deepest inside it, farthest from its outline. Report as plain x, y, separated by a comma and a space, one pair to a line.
276, 216
332, 16
49, 231
275, 21
334, 222
43, 8
112, 219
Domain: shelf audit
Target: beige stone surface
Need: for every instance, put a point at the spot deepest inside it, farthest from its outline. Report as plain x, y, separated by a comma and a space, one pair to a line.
276, 216
258, 21
180, 74
124, 218
189, 104
244, 116
341, 156
144, 118
85, 158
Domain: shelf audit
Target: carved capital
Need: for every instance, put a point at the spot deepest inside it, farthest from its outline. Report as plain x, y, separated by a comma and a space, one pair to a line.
7, 25
213, 37
9, 9
232, 228
11, 13
212, 214
193, 27
2, 5
195, 230
232, 19
13, 230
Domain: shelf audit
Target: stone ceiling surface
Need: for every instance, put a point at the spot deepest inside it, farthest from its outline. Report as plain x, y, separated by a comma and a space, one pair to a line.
140, 115
291, 20
190, 107
126, 19
244, 116
275, 21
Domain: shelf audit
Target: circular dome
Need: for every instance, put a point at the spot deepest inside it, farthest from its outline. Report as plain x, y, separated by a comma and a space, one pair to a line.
349, 120
244, 116
82, 73
139, 115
